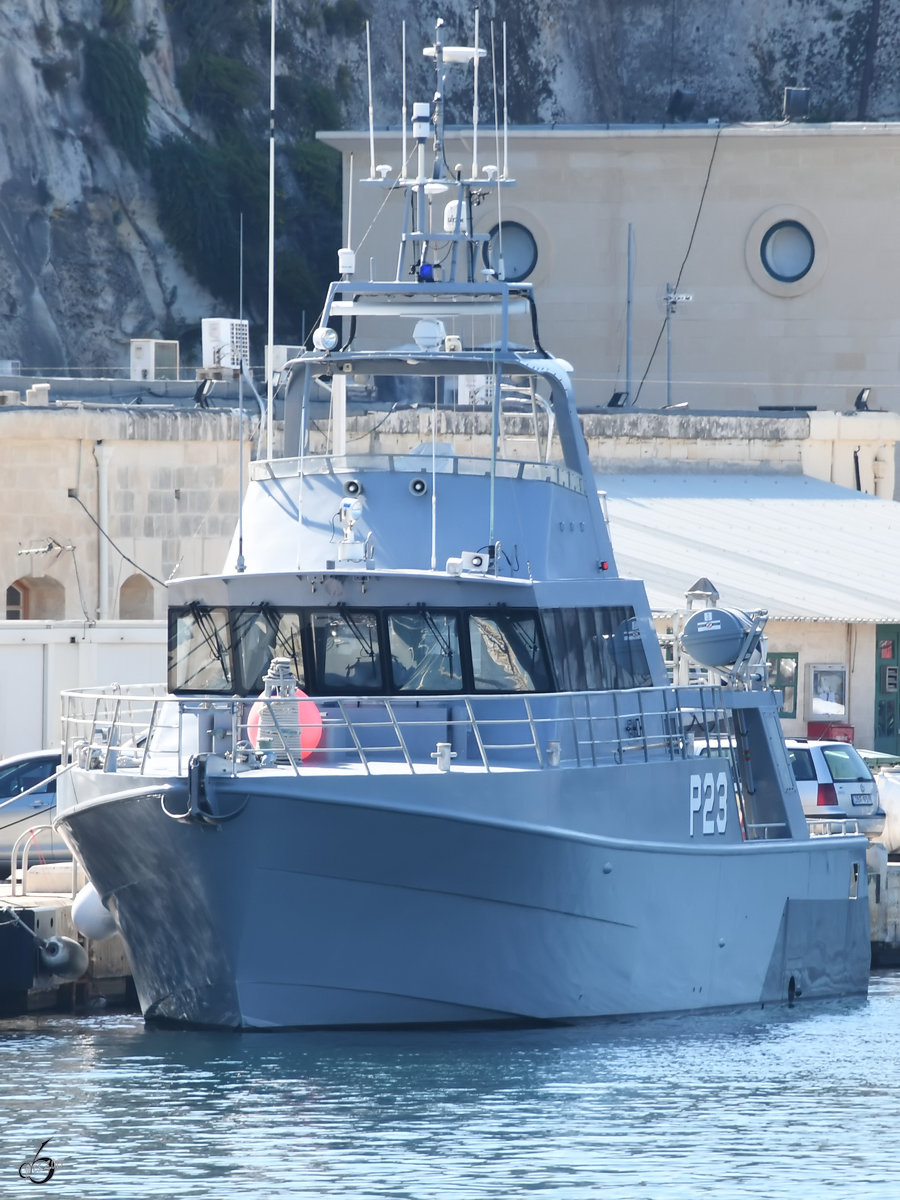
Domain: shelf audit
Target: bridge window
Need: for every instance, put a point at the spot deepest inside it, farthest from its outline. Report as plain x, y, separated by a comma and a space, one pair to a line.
594, 649
425, 652
507, 654
347, 650
261, 634
200, 650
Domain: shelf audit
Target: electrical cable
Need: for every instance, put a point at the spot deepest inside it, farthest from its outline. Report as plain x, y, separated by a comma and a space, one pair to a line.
119, 551
687, 252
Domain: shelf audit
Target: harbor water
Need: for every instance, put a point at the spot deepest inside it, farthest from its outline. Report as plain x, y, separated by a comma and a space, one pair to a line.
799, 1102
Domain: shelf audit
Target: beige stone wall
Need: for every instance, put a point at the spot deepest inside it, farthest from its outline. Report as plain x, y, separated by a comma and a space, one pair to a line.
172, 488
853, 450
744, 340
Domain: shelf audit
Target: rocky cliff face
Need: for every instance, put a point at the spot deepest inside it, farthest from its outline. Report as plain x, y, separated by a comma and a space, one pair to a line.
132, 131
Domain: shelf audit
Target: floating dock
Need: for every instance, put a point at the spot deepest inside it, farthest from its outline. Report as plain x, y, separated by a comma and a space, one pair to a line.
43, 955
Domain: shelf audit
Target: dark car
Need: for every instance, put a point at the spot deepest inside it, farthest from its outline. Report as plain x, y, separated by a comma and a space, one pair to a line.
28, 800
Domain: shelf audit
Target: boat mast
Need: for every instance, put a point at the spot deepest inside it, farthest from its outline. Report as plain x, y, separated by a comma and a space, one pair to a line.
271, 314
628, 313
241, 564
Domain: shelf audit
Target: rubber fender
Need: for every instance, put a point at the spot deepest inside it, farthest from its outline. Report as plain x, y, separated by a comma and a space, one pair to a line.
91, 916
64, 957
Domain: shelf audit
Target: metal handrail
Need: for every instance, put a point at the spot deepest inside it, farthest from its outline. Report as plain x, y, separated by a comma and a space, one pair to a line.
834, 827
150, 733
24, 843
105, 729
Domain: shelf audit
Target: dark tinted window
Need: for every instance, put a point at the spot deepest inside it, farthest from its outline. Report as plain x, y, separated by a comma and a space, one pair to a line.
261, 634
199, 650
347, 650
596, 648
801, 761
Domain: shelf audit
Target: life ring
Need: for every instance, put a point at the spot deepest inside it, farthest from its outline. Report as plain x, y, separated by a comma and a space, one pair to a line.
309, 721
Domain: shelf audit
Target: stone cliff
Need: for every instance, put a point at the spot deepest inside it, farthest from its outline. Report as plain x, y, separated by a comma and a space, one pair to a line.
133, 133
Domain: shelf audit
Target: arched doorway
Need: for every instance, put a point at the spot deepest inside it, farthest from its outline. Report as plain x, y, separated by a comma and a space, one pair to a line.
37, 598
136, 599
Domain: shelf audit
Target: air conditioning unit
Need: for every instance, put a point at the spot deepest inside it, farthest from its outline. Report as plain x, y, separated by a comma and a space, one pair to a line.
280, 355
475, 389
226, 342
154, 359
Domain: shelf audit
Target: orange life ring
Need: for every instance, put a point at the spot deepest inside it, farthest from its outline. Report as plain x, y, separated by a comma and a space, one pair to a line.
309, 720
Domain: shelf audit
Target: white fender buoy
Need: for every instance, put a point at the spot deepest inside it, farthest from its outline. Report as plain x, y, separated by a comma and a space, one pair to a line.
91, 916
64, 957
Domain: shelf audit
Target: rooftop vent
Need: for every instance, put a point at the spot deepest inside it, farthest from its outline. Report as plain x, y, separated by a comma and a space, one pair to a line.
681, 105
796, 104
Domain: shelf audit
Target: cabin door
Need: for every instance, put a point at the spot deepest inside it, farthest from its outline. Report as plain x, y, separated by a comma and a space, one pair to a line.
887, 692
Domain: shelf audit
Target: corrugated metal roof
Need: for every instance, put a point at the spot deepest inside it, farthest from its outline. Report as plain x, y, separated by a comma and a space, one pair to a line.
796, 546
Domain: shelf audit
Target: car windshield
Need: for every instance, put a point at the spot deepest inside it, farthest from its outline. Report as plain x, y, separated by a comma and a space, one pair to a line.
801, 761
845, 765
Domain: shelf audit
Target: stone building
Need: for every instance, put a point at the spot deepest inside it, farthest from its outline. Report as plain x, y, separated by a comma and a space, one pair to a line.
101, 505
104, 504
782, 234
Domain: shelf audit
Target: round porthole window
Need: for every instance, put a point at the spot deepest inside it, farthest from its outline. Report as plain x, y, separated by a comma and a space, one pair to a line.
787, 251
519, 251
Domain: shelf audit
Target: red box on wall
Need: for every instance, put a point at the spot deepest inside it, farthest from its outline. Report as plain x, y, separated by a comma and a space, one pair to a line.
829, 732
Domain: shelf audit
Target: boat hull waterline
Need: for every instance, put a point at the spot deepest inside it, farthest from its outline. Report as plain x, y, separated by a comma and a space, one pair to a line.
307, 911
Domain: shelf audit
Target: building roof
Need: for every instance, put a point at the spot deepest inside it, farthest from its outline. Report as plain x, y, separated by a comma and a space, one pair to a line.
798, 547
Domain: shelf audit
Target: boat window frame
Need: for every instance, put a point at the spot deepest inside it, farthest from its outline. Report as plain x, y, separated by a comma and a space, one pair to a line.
314, 683
463, 650
551, 656
494, 614
317, 670
560, 645
251, 687
196, 608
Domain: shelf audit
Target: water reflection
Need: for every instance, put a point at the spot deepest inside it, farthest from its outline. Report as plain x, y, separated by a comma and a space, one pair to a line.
756, 1104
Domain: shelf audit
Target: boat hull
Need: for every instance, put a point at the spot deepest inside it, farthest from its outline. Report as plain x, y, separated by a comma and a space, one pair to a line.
319, 904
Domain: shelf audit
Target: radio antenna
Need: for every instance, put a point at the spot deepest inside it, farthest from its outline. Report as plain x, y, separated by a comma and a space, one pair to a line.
475, 106
403, 101
371, 110
505, 113
270, 405
350, 203
241, 565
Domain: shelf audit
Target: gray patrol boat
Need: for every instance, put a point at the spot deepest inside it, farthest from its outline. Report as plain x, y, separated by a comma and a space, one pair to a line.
418, 759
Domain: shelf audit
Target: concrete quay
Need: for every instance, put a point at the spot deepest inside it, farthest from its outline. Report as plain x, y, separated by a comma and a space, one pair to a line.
884, 906
41, 965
